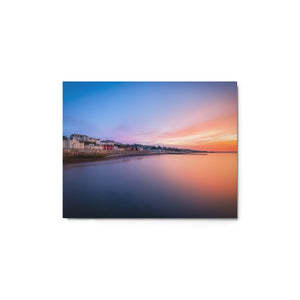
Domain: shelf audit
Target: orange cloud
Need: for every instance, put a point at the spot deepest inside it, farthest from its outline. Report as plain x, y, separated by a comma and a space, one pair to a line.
214, 135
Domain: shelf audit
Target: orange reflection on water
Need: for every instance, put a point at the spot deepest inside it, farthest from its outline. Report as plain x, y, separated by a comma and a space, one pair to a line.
214, 176
177, 186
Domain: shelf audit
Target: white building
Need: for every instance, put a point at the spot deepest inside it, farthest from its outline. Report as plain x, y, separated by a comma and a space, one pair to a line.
93, 147
93, 140
80, 137
72, 143
65, 142
84, 138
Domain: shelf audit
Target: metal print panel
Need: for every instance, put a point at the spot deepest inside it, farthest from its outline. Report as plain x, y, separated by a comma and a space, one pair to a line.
150, 150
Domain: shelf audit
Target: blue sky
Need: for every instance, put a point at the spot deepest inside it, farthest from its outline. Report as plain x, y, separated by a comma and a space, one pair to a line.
142, 112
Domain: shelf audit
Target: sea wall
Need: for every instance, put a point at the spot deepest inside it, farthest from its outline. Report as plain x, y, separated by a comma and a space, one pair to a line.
92, 153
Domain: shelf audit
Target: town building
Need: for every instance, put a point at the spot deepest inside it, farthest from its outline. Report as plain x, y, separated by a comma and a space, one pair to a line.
93, 147
108, 147
72, 143
65, 142
80, 137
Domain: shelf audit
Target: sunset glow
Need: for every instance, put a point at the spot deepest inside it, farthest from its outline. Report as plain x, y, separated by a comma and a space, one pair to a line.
187, 115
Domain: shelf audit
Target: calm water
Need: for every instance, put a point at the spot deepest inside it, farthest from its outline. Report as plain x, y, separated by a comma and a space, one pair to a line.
171, 186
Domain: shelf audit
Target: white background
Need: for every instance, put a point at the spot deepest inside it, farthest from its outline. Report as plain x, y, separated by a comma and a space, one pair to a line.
46, 257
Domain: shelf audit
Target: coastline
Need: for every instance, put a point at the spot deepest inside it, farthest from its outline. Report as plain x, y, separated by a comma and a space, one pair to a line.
107, 156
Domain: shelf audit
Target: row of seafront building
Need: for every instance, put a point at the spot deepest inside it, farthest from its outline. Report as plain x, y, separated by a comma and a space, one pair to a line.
83, 142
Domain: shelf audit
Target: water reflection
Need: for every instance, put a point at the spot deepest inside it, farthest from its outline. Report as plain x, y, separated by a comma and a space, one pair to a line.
171, 186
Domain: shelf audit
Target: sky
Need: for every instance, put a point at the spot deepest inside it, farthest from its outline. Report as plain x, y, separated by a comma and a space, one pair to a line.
187, 115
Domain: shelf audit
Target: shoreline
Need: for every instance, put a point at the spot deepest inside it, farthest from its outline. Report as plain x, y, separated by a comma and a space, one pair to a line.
108, 156
102, 157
